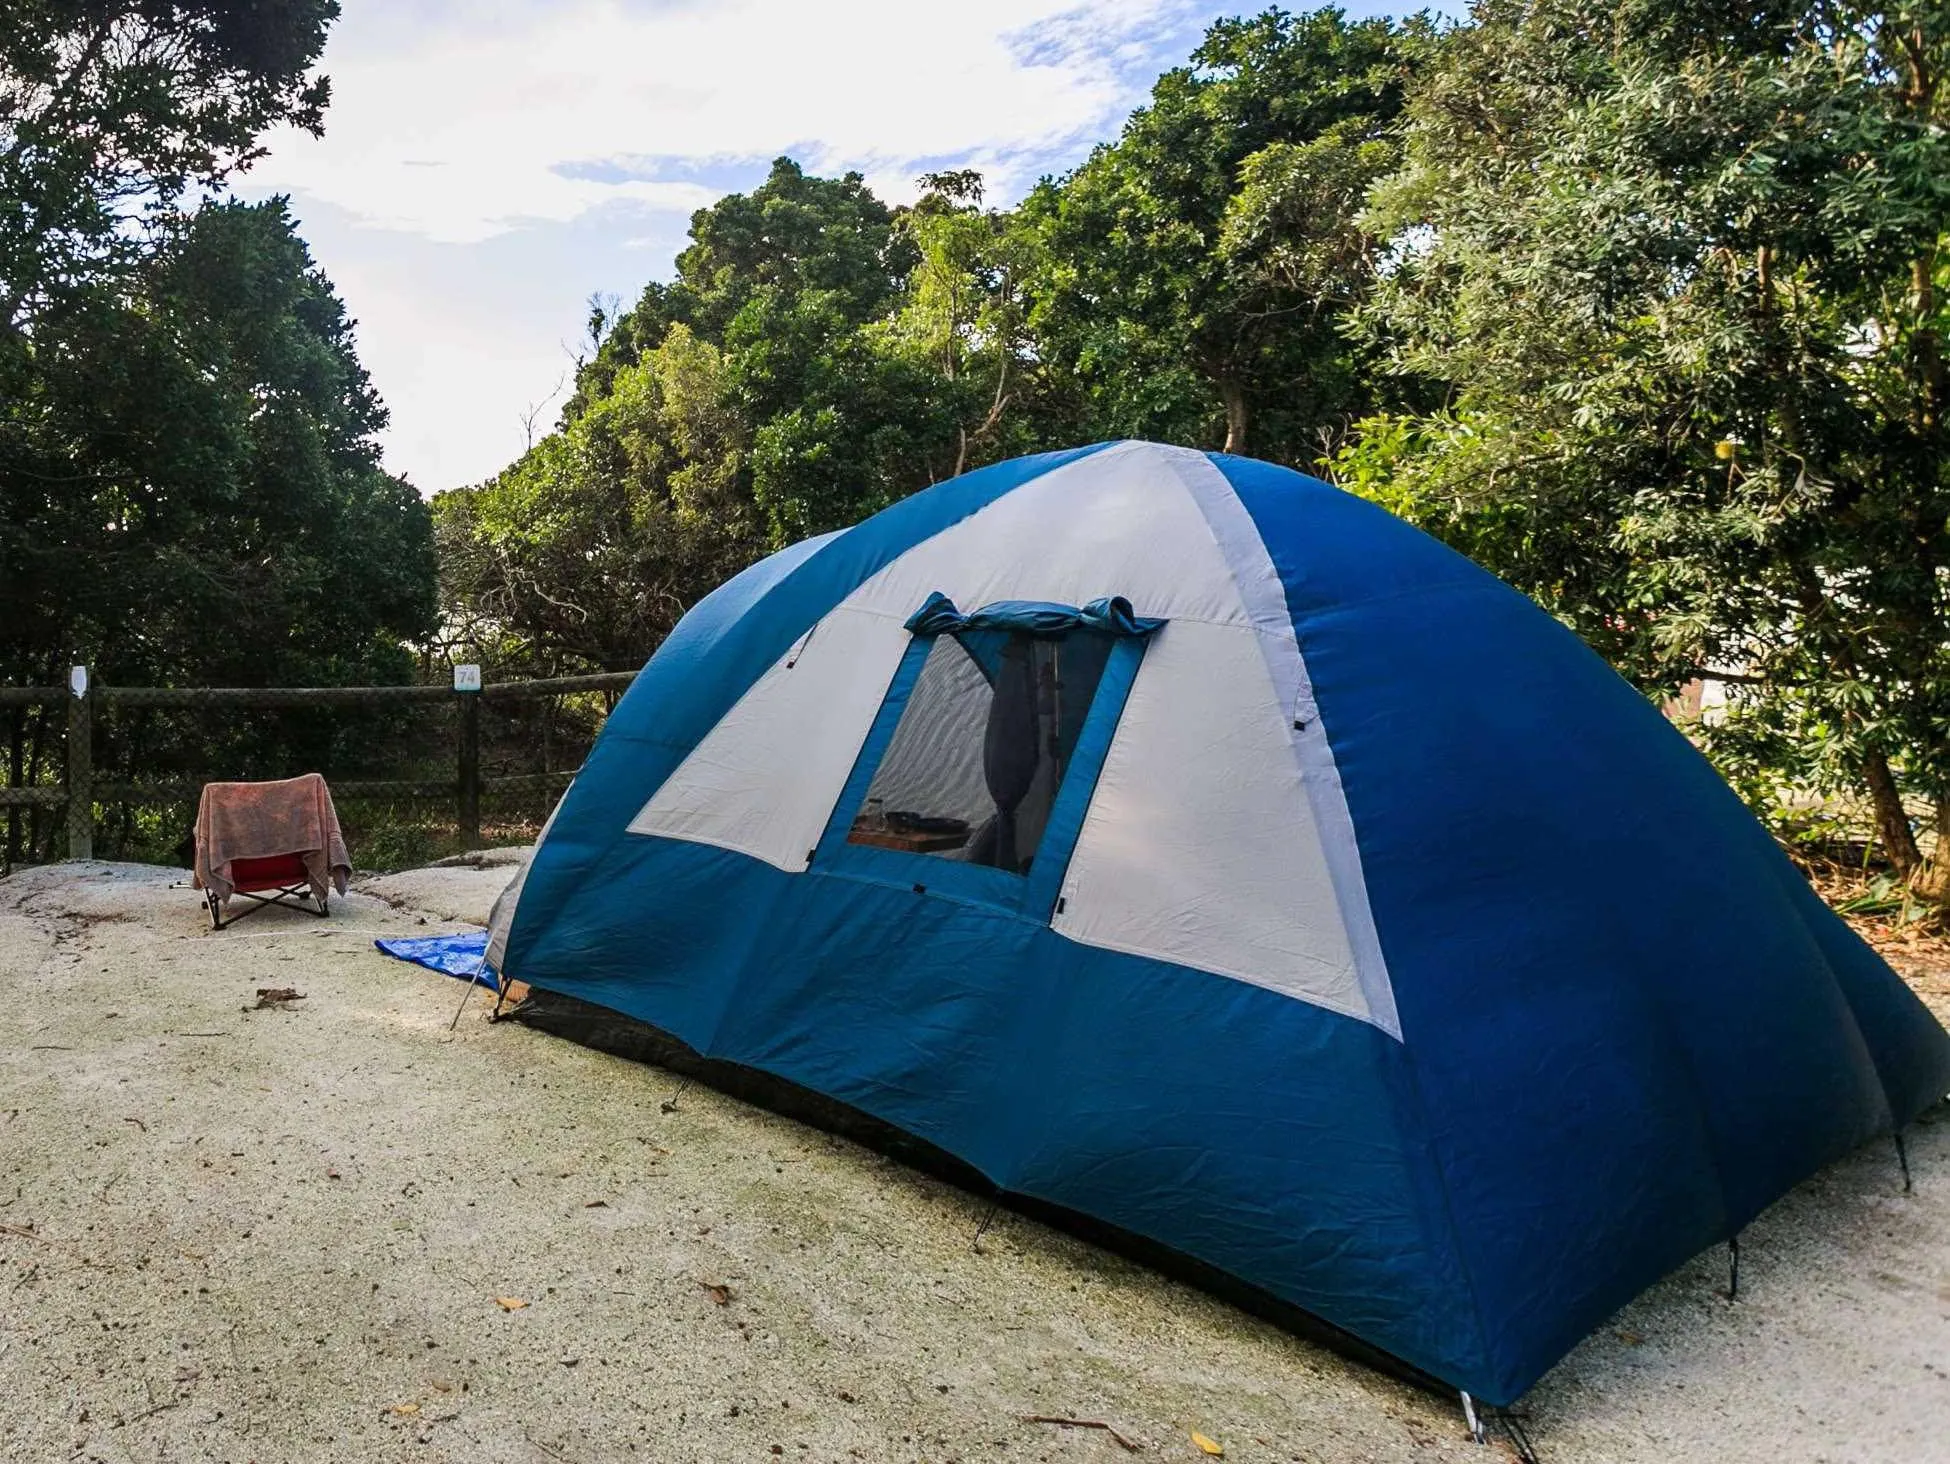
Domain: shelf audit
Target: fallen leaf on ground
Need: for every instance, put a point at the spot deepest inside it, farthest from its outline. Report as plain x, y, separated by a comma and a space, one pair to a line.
720, 1294
1208, 1446
595, 1204
510, 1303
404, 1408
1630, 1339
272, 996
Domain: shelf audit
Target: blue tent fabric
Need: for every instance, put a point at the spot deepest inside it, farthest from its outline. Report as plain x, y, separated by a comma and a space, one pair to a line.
1622, 1023
452, 955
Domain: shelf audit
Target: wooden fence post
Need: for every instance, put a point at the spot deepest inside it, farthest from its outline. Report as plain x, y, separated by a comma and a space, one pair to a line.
468, 688
81, 765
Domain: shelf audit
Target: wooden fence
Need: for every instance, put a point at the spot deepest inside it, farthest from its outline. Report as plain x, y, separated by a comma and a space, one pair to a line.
80, 791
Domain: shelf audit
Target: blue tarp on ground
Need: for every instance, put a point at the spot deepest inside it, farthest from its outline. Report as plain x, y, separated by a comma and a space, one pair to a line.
451, 955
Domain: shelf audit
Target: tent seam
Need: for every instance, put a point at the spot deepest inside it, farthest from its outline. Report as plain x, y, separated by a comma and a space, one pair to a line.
1383, 1009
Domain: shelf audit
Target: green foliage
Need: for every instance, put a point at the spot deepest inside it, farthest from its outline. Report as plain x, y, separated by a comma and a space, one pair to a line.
190, 487
191, 482
393, 837
1200, 265
817, 357
109, 111
592, 545
792, 236
1196, 270
190, 495
1678, 272
757, 253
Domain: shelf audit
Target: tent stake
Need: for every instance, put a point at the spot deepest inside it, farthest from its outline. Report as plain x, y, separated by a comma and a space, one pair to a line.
669, 1105
1733, 1267
1519, 1435
1475, 1422
1902, 1158
988, 1218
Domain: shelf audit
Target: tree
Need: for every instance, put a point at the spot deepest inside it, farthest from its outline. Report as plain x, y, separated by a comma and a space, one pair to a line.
843, 354
791, 235
1195, 271
111, 109
583, 554
965, 313
191, 481
190, 494
1678, 270
869, 352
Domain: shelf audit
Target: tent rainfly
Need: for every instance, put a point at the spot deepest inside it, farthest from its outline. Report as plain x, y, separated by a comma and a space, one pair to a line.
1182, 844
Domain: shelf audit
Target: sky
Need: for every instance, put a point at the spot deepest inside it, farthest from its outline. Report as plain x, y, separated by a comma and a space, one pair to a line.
488, 165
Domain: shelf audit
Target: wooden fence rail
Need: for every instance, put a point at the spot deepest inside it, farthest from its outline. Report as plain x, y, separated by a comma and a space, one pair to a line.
79, 790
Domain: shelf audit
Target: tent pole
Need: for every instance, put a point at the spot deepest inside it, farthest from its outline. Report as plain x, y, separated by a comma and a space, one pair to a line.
465, 997
468, 995
1733, 1268
1902, 1158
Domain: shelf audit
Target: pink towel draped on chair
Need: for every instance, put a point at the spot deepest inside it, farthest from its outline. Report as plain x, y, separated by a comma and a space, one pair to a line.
262, 820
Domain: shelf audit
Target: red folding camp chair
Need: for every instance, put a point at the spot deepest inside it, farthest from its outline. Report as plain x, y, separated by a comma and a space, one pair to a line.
284, 873
272, 843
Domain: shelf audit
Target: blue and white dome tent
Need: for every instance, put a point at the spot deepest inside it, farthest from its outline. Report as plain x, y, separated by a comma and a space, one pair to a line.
1182, 843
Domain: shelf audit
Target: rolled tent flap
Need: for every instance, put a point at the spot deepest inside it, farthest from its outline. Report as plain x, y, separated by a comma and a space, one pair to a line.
1110, 614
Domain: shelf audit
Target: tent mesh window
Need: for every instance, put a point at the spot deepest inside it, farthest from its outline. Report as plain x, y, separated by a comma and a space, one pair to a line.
982, 745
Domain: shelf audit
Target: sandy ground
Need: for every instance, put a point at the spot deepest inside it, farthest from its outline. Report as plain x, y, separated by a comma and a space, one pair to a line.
231, 1234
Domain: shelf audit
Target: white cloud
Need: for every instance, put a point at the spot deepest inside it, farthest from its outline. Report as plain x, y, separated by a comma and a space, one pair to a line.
487, 164
460, 131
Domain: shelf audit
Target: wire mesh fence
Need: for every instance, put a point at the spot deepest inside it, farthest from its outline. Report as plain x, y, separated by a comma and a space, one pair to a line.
417, 772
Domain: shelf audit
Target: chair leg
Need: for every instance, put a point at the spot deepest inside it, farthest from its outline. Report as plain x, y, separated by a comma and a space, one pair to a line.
294, 893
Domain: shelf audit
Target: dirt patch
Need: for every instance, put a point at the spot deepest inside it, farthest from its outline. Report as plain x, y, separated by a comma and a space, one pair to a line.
1920, 955
338, 1231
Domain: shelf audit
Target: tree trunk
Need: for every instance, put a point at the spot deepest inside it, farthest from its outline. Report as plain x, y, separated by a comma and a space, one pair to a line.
1235, 401
1932, 881
1892, 823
